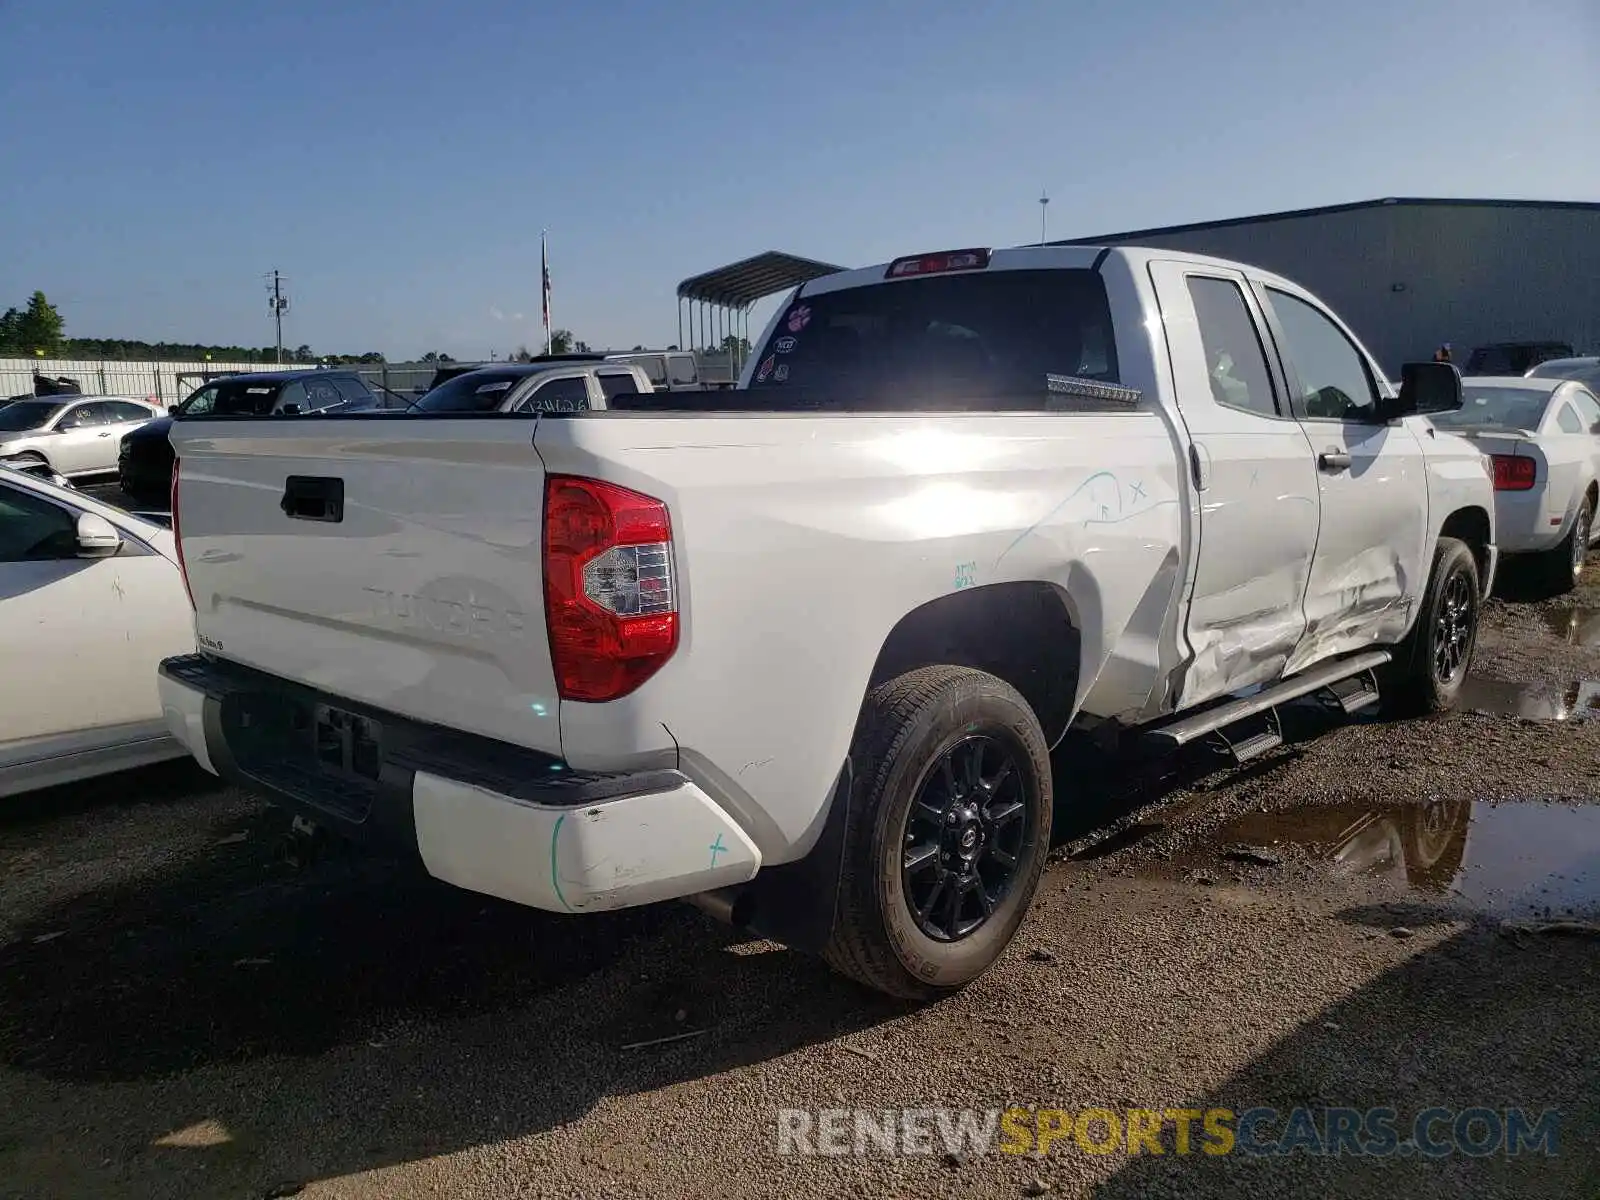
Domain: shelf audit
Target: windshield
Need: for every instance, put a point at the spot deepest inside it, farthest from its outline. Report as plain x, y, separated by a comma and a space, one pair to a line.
27, 414
474, 392
1496, 407
989, 340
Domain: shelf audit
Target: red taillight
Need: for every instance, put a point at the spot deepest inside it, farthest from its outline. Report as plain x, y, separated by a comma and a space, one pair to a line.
610, 602
1513, 473
938, 264
177, 535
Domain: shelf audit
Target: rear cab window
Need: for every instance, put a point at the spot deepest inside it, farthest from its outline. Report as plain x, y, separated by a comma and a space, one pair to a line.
969, 341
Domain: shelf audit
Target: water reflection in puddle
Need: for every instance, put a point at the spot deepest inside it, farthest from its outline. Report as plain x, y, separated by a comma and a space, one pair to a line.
1575, 626
1532, 701
1510, 859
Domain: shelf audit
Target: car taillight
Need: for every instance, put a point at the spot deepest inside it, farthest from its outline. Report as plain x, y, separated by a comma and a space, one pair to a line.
1513, 473
177, 536
611, 607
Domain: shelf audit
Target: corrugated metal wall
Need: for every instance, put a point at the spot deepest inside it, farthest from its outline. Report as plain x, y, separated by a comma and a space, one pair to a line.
137, 379
1467, 274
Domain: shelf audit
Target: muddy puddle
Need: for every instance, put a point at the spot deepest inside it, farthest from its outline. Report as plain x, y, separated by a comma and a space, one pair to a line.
1511, 860
1575, 701
1575, 626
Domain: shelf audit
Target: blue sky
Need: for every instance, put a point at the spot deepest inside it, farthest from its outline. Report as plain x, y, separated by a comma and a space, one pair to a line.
397, 160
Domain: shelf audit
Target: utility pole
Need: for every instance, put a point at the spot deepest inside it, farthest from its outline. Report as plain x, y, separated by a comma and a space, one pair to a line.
1044, 203
279, 303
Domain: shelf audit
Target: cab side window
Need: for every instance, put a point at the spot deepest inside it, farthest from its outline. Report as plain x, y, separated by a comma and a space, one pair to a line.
1334, 383
321, 394
1568, 420
682, 369
617, 383
34, 530
559, 395
1235, 360
81, 417
201, 403
123, 412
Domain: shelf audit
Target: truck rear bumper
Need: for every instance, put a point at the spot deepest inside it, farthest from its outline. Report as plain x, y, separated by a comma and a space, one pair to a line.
479, 814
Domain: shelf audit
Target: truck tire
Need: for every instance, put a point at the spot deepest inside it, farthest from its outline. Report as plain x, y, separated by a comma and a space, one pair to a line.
1431, 664
948, 831
1561, 566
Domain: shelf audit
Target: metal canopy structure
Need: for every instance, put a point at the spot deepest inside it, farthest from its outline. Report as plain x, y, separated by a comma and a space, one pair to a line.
718, 302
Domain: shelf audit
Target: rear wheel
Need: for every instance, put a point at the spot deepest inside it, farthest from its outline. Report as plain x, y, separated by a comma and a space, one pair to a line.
948, 833
1562, 566
1430, 666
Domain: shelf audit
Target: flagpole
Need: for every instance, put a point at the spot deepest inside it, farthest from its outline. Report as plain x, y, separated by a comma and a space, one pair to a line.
544, 285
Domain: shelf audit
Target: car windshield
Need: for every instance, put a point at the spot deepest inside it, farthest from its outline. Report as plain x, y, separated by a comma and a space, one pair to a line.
1497, 407
993, 340
27, 414
474, 392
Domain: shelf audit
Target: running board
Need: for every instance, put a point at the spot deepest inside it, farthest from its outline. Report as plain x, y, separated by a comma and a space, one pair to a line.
1245, 746
1356, 693
1183, 731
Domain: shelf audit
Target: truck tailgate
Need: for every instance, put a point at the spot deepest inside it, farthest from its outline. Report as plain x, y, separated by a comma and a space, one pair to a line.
376, 563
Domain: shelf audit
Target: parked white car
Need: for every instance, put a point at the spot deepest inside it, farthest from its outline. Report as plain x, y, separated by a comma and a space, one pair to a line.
1543, 439
91, 599
549, 387
799, 651
72, 436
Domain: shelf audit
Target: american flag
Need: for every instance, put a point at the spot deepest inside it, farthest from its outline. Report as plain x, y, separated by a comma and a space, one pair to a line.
544, 264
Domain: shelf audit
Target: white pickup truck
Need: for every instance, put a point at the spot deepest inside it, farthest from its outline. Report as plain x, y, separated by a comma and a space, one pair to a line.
800, 651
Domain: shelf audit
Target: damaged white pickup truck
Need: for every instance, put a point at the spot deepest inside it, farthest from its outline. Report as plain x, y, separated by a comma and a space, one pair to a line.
800, 651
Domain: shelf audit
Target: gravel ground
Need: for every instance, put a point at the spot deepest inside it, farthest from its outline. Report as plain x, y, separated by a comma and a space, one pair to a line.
183, 1015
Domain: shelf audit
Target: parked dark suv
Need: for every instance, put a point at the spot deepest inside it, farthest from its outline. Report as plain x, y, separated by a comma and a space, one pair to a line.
1513, 358
144, 463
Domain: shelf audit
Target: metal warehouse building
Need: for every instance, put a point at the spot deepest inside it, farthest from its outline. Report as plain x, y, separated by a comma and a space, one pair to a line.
1409, 275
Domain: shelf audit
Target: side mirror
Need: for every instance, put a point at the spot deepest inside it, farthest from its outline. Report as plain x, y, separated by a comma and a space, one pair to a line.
1427, 387
97, 537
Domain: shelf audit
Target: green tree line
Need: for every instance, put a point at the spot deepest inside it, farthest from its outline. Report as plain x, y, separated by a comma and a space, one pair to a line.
37, 330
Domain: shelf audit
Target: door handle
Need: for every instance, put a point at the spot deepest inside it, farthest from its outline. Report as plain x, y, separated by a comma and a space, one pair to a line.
1333, 460
107, 433
313, 498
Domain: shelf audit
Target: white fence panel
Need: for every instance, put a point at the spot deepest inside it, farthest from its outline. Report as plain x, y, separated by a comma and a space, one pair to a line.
156, 380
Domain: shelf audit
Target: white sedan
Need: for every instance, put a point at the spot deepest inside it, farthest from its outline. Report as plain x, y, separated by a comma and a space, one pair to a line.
74, 435
1543, 440
91, 600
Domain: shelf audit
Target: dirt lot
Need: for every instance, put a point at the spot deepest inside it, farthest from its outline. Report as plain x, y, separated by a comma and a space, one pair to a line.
183, 1015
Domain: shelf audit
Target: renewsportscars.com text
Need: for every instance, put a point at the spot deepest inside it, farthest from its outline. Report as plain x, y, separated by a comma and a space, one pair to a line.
1374, 1132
